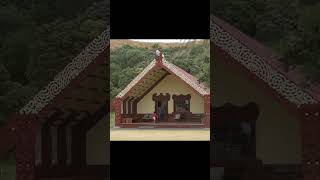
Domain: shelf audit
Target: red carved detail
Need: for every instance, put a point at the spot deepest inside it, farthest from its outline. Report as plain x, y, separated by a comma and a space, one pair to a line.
117, 107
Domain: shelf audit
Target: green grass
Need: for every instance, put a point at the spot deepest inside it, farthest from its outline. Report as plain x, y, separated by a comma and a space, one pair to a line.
112, 119
159, 134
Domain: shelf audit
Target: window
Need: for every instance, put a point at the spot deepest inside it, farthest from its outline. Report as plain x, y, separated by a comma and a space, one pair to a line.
181, 103
182, 106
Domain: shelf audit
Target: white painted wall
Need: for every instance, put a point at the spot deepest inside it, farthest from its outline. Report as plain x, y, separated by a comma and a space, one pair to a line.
172, 85
278, 139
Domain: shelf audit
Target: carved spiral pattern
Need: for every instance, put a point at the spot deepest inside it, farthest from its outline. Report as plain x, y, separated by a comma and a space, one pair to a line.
258, 66
62, 79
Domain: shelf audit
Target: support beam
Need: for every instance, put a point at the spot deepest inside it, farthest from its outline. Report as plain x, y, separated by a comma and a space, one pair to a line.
124, 106
129, 105
46, 147
75, 160
62, 147
135, 104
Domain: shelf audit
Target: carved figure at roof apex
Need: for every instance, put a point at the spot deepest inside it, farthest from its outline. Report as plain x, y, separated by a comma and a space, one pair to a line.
159, 56
158, 52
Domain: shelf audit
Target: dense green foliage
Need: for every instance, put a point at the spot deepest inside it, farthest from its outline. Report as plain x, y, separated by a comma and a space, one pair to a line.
37, 39
291, 27
127, 62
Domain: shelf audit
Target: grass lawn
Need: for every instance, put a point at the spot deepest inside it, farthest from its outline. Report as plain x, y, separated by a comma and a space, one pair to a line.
159, 134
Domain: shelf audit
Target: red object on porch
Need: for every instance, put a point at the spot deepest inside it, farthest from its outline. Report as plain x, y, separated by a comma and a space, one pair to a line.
154, 116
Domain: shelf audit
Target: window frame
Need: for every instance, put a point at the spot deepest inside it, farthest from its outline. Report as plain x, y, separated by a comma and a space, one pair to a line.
181, 98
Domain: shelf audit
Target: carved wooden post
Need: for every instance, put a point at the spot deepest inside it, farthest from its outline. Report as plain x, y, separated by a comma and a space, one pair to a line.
310, 132
46, 145
124, 106
134, 107
25, 147
117, 109
130, 106
206, 103
62, 149
159, 57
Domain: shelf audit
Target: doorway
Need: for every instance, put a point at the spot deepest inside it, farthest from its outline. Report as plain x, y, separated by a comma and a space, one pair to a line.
162, 110
161, 106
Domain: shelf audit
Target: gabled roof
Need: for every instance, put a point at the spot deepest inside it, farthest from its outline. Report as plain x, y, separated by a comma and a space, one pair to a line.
170, 68
263, 62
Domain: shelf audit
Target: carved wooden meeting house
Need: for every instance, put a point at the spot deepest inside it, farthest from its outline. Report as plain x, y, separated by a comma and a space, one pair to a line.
178, 98
265, 124
62, 132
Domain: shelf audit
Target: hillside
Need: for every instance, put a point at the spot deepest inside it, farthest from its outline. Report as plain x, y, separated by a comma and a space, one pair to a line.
129, 58
117, 43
